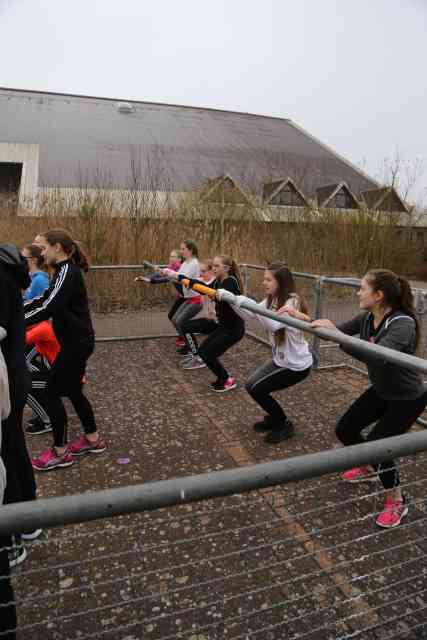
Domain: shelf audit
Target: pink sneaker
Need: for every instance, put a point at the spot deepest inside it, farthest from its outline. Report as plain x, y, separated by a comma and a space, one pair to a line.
394, 511
49, 459
220, 386
83, 445
359, 474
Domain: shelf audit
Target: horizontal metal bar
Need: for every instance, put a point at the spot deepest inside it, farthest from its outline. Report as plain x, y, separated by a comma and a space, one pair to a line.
117, 267
365, 348
151, 336
26, 516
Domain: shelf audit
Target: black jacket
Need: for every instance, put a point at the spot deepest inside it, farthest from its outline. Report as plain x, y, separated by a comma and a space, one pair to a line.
14, 279
65, 301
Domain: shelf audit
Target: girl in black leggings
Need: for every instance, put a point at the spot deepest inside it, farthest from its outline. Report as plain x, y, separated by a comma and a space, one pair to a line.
65, 301
291, 359
227, 330
396, 396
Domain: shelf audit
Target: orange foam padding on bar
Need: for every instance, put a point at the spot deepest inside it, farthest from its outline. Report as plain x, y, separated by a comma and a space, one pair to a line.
200, 288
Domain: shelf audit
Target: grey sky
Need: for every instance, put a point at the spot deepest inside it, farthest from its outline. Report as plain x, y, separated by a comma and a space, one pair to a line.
349, 71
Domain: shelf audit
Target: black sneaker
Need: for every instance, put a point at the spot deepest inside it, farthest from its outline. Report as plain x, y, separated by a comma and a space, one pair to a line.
266, 424
280, 433
35, 426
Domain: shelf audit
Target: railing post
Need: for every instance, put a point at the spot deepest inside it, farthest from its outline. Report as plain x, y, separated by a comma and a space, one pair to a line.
246, 279
318, 305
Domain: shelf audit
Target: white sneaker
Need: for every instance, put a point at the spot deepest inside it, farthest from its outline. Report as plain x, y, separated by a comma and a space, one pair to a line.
194, 363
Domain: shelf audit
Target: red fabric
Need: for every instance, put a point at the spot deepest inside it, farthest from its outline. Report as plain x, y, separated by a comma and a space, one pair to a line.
43, 338
194, 300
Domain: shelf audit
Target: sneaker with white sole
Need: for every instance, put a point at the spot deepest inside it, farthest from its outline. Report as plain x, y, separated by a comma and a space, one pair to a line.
82, 445
359, 474
36, 426
49, 460
394, 511
194, 363
17, 554
220, 386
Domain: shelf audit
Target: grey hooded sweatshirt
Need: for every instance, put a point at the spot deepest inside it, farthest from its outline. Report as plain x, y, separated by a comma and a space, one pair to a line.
396, 331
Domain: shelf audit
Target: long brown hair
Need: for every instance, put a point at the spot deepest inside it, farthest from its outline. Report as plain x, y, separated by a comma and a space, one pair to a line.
192, 246
397, 293
72, 248
285, 289
233, 269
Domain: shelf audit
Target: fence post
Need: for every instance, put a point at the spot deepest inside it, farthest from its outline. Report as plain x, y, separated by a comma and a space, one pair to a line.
318, 305
246, 279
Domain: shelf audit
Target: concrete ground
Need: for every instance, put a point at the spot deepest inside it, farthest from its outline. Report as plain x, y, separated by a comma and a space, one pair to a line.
300, 561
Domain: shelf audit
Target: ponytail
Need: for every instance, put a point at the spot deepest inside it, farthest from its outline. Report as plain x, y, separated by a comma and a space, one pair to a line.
72, 248
407, 305
397, 294
79, 257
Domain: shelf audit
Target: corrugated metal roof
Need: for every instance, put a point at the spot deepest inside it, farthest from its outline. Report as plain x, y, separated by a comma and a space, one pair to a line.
87, 140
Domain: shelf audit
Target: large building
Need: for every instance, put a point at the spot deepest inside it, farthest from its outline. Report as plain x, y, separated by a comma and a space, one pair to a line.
61, 142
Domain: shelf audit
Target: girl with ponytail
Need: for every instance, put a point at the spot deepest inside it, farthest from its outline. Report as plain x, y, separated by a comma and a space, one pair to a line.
396, 397
66, 303
291, 359
225, 331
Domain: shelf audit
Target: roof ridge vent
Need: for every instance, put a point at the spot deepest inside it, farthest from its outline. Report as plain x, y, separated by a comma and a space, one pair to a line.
125, 107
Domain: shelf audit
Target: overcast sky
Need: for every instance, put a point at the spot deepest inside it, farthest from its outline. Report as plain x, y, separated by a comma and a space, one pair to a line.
351, 72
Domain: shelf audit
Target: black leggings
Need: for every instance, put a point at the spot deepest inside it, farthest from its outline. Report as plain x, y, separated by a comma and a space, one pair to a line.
392, 418
65, 380
198, 325
174, 308
268, 378
7, 614
218, 342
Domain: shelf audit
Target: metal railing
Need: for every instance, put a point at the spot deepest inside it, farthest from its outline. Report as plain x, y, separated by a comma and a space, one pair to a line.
263, 559
246, 553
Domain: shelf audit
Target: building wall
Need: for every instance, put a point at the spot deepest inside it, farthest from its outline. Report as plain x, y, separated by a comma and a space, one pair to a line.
28, 155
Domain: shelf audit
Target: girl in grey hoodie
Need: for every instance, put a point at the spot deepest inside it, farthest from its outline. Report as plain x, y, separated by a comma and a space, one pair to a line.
397, 396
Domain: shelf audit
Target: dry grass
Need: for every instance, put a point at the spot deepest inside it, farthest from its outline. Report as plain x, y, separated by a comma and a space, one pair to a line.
325, 242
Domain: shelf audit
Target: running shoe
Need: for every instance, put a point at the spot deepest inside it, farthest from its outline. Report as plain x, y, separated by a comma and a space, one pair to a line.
394, 511
194, 363
17, 554
32, 535
36, 426
220, 386
280, 432
359, 474
180, 342
183, 351
83, 445
186, 358
266, 424
49, 460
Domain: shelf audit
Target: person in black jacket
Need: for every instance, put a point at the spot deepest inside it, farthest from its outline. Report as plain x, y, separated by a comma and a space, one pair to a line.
65, 301
227, 329
397, 396
20, 481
